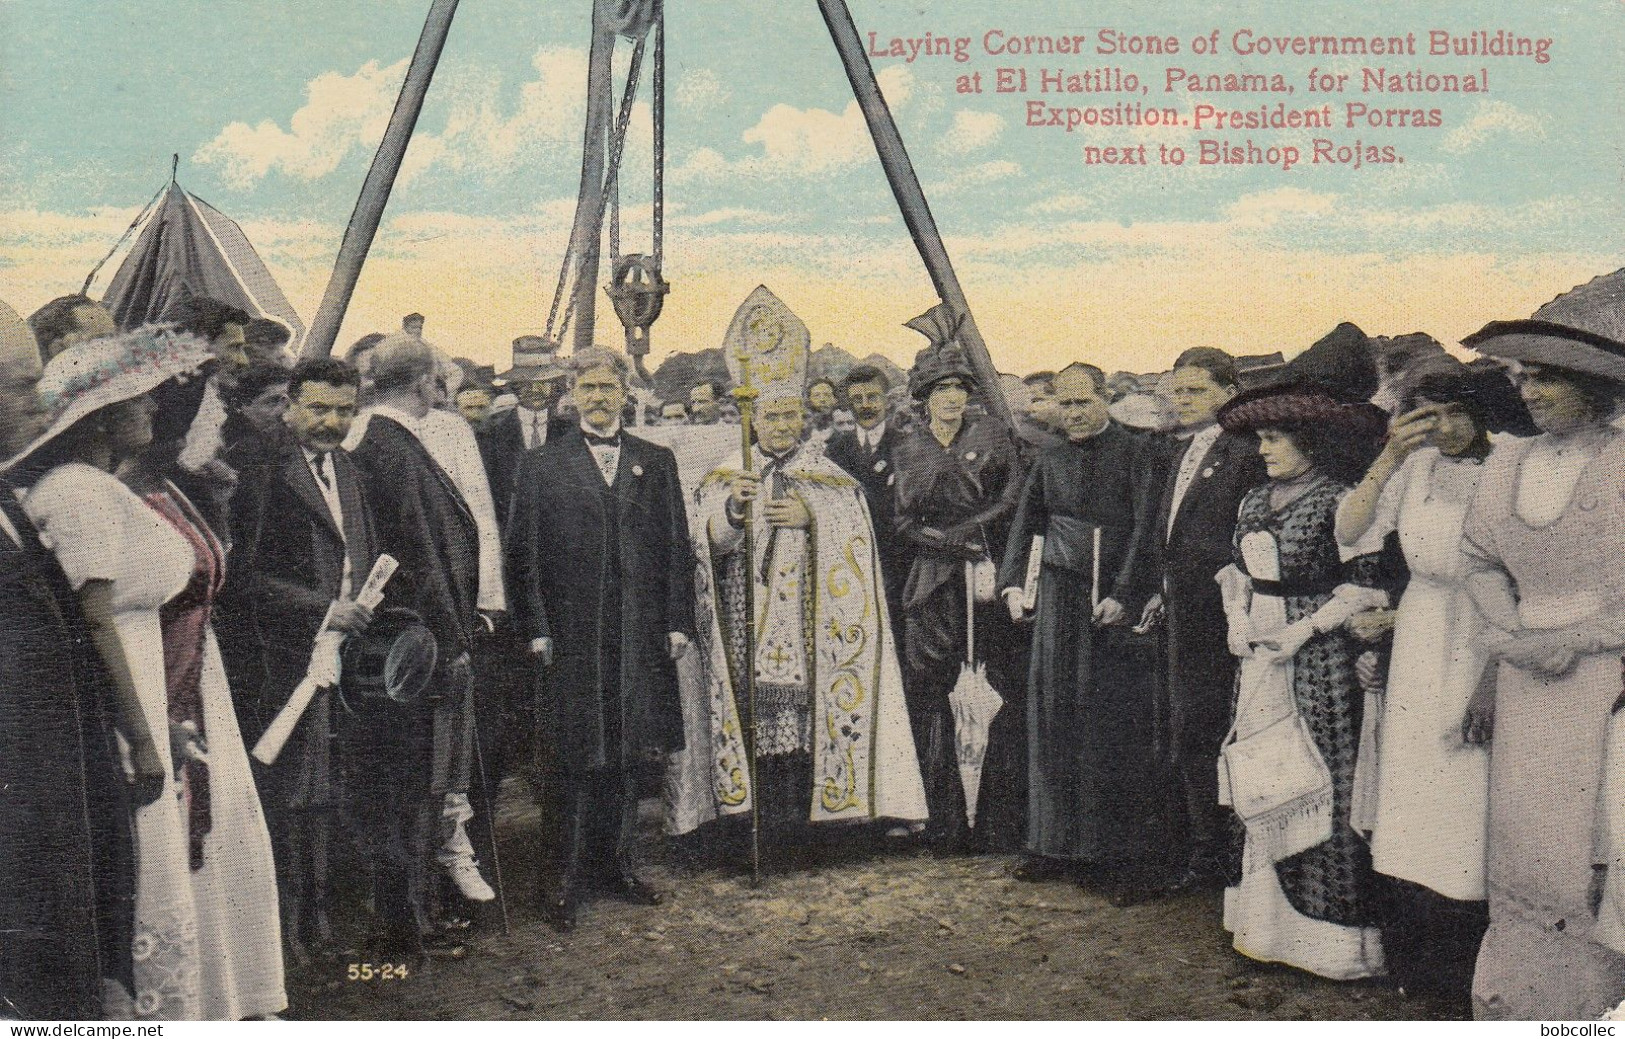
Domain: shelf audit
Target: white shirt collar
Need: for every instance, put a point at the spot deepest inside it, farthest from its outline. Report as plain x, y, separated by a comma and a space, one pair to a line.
390, 411
1208, 432
614, 430
872, 437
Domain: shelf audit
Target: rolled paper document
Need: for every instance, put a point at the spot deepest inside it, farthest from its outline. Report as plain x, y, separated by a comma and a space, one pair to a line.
323, 672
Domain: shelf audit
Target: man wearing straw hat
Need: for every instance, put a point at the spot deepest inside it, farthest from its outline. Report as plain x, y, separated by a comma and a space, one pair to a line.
537, 379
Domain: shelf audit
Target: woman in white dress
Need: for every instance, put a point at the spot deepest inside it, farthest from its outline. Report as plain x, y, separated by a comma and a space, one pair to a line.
1424, 776
1546, 539
200, 950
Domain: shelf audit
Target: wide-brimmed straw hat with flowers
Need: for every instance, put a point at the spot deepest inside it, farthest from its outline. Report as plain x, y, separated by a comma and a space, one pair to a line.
1583, 330
91, 375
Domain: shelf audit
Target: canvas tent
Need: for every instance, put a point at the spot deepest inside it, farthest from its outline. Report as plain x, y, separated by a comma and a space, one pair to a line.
190, 248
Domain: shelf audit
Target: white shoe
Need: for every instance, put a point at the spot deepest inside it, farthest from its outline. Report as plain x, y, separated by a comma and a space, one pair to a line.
465, 873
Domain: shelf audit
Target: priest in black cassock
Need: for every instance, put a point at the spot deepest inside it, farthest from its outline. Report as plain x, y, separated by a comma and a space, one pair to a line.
598, 552
1088, 705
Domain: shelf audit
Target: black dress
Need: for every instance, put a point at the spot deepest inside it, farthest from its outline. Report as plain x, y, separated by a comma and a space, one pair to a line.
948, 499
67, 884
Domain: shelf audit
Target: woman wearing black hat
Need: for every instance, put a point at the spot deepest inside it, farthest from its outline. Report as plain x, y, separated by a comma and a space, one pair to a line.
1306, 894
1546, 540
957, 483
1427, 785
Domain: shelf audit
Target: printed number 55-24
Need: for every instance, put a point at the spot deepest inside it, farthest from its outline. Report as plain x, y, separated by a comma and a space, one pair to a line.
378, 972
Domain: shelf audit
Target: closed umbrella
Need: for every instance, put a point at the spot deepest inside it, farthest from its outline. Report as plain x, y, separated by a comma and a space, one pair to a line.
975, 704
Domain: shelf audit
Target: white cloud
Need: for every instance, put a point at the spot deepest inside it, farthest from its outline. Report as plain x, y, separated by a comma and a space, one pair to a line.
701, 88
798, 142
478, 136
340, 113
1490, 119
974, 176
482, 134
1266, 208
729, 215
970, 131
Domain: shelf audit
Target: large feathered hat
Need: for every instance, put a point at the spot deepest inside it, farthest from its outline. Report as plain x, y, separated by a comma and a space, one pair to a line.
1297, 405
944, 358
1583, 330
89, 376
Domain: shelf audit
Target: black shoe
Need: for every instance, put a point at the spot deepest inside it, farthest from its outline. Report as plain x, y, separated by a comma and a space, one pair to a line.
638, 892
560, 911
446, 945
1035, 869
1201, 875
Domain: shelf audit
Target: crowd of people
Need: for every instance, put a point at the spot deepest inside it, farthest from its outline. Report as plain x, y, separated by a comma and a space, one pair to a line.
1340, 638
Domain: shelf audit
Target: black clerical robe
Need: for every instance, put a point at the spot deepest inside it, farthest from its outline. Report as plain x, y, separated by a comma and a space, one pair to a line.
1088, 704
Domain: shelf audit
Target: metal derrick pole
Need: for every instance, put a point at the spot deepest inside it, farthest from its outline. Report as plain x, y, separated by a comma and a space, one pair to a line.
905, 186
386, 165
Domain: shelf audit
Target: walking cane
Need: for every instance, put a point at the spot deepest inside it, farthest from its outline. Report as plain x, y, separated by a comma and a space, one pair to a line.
490, 800
745, 394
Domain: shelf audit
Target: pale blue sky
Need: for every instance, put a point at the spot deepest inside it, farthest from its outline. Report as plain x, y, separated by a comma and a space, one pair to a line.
274, 108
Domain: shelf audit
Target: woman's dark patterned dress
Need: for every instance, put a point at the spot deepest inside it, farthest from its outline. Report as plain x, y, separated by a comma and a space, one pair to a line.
1332, 881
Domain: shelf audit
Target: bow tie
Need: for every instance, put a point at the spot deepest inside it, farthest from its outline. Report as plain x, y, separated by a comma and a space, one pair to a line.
594, 440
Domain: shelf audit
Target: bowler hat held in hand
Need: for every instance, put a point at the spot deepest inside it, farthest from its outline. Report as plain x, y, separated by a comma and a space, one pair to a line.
389, 665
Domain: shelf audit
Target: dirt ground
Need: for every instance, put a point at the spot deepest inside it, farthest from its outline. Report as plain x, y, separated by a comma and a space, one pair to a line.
876, 934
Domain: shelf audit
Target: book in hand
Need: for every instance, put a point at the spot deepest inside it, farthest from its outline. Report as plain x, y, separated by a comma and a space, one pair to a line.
1035, 564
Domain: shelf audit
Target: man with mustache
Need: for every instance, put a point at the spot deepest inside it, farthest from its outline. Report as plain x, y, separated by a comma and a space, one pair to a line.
866, 454
602, 572
304, 541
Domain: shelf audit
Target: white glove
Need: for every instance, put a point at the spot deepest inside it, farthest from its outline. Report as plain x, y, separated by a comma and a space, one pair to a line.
1240, 636
1284, 644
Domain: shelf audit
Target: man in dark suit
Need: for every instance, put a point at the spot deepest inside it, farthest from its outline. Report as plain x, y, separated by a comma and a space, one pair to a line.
503, 694
537, 380
302, 546
866, 455
67, 860
599, 552
420, 518
1204, 475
